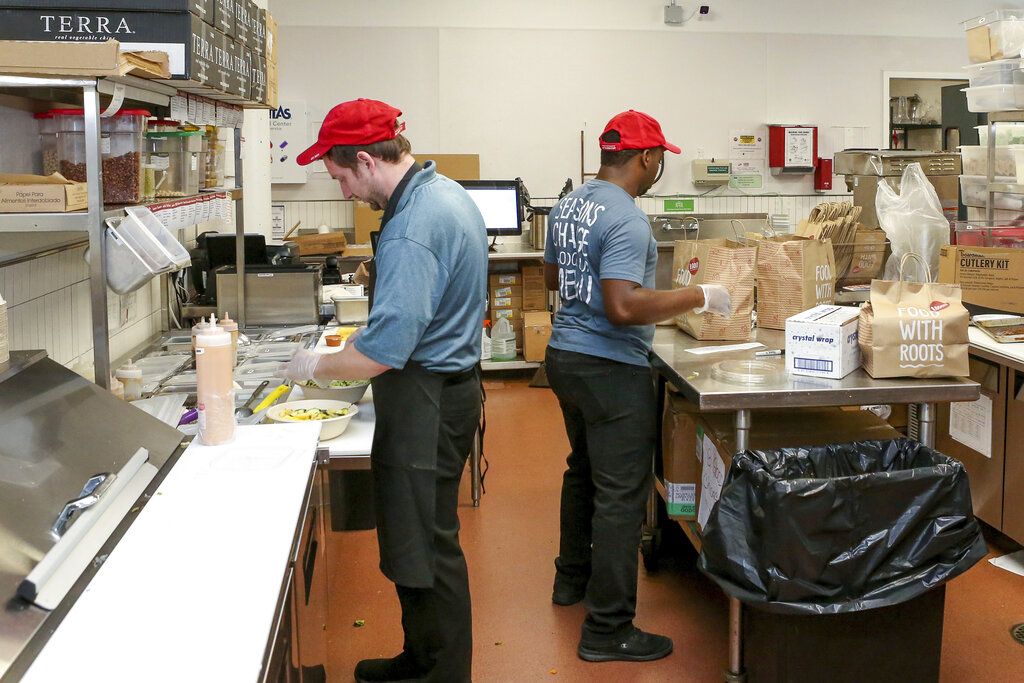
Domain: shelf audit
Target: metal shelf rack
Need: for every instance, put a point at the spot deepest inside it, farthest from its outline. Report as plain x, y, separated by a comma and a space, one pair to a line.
992, 187
55, 89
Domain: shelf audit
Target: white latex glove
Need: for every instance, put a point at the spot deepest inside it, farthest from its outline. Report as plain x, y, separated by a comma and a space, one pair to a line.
716, 300
301, 367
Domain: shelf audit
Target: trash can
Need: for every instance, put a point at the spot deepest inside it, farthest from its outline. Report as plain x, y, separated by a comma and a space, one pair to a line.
351, 496
842, 552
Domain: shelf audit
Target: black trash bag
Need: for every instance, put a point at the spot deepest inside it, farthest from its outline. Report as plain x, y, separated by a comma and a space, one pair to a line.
841, 528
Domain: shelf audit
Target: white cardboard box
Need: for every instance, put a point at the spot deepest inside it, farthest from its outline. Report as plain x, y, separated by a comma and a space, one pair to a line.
822, 342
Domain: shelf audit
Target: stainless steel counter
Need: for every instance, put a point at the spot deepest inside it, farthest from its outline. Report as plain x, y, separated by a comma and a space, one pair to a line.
691, 375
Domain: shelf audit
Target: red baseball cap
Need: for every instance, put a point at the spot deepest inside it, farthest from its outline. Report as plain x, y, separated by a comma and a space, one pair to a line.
357, 122
636, 130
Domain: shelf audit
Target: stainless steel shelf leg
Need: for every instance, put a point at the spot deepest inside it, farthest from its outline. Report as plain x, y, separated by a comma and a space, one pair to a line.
474, 469
735, 673
926, 424
97, 241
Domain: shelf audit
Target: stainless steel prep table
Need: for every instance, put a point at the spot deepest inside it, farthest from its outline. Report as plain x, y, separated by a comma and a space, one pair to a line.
690, 374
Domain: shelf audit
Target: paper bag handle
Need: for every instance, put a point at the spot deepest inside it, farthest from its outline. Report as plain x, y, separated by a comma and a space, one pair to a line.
911, 255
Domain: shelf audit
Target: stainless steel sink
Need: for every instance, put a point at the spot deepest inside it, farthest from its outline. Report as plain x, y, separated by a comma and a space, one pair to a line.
668, 228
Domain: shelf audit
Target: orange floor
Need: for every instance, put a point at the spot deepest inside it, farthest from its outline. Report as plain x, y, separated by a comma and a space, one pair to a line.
510, 542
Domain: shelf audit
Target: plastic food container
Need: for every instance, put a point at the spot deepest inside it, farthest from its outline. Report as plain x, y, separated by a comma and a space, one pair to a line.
748, 372
162, 125
975, 160
974, 192
995, 98
215, 155
49, 127
120, 150
172, 164
1007, 133
996, 35
176, 254
351, 309
133, 256
999, 72
986, 234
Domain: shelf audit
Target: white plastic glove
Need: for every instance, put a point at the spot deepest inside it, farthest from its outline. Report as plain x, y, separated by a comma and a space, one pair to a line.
301, 367
716, 300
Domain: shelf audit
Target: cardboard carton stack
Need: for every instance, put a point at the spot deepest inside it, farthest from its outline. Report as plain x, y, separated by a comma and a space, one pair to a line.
523, 299
506, 300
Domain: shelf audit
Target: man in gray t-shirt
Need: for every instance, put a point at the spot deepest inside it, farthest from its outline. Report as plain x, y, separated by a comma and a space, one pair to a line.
600, 257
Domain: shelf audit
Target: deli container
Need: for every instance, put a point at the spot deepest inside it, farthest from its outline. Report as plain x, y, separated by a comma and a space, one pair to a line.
989, 98
1007, 133
974, 192
49, 127
975, 160
988, 234
999, 72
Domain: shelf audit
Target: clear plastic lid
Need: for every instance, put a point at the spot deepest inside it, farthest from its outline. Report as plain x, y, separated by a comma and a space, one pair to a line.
749, 372
992, 17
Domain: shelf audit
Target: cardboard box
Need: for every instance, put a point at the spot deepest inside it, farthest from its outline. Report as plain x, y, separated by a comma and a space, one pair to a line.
535, 292
363, 251
272, 85
41, 194
270, 50
497, 279
690, 440
535, 272
822, 342
536, 334
201, 8
243, 23
325, 243
242, 72
54, 58
365, 220
259, 31
224, 17
506, 291
990, 277
515, 302
513, 314
258, 79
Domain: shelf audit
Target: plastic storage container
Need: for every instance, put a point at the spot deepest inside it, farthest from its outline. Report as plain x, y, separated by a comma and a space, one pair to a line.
988, 234
974, 192
999, 72
215, 158
975, 160
172, 164
995, 98
176, 254
1006, 134
503, 341
162, 125
120, 150
996, 35
49, 127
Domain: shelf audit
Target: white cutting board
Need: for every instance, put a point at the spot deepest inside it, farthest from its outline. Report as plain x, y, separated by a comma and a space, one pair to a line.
189, 592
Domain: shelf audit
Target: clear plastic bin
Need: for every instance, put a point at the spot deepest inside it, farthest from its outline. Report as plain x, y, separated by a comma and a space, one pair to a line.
975, 160
176, 254
172, 164
988, 234
974, 192
1007, 133
1000, 72
995, 98
133, 256
996, 35
48, 130
120, 150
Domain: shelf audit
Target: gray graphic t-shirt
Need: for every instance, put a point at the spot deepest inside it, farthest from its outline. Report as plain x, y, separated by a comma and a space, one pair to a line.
598, 233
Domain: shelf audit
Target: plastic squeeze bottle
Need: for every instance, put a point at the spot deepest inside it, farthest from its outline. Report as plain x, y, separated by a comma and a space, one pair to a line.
231, 327
215, 394
130, 375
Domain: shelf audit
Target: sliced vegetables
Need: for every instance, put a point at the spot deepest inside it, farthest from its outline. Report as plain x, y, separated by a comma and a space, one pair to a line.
311, 414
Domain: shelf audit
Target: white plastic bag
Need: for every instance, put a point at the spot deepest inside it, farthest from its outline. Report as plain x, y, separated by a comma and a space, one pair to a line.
912, 220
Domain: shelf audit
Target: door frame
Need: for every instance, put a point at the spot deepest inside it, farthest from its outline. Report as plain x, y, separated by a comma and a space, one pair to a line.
916, 75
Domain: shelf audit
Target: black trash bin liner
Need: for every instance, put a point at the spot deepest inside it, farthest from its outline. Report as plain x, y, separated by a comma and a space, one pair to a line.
840, 528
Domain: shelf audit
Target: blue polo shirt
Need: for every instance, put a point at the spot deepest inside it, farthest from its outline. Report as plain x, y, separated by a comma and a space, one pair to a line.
598, 233
431, 289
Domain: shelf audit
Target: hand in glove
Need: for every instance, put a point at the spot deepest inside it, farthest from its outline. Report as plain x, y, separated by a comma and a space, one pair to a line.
301, 367
716, 300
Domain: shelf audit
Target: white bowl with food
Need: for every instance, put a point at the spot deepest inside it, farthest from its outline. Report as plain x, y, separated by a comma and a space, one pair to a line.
351, 391
333, 416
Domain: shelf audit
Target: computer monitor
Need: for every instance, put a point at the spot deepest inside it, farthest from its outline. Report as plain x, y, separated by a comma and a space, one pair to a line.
500, 202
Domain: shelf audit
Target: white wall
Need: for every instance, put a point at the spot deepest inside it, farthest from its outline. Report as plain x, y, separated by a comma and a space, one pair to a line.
519, 97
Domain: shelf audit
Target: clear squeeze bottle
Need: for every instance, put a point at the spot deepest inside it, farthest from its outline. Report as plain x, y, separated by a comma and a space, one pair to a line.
215, 394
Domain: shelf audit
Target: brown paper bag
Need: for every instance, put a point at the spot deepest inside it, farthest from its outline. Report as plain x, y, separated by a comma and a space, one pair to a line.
793, 275
867, 260
722, 262
912, 329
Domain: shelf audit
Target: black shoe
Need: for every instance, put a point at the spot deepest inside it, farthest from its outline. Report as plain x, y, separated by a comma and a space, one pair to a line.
400, 669
565, 593
637, 646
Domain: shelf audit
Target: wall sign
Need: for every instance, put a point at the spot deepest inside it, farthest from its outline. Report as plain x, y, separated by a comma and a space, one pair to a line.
289, 136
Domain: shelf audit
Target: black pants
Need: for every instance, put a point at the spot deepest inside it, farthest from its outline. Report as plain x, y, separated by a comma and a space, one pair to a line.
610, 414
424, 432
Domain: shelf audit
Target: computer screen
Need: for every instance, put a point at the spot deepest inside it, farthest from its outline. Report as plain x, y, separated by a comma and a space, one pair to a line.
500, 202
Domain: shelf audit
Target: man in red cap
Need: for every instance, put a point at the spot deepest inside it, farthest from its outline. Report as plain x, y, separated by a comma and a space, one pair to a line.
421, 346
600, 256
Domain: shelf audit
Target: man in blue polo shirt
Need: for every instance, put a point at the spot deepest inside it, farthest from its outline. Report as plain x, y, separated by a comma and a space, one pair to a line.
421, 346
600, 257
